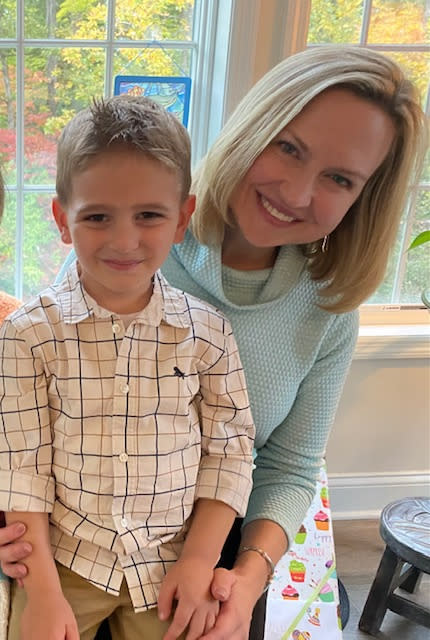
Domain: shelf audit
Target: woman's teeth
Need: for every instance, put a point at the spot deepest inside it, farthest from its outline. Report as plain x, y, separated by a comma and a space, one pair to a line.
275, 212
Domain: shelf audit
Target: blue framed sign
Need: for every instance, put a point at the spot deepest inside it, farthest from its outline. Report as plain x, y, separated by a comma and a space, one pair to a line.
172, 92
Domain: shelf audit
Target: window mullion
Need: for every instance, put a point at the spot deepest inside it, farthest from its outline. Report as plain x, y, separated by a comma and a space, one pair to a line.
19, 151
364, 34
110, 35
402, 258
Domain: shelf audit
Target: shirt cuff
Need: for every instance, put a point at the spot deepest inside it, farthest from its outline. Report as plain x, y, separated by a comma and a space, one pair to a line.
226, 479
21, 491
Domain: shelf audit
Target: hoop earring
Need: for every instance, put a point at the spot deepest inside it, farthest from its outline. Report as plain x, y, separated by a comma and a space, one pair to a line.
324, 245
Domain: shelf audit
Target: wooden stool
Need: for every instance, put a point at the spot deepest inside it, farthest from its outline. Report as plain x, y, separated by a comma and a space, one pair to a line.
405, 528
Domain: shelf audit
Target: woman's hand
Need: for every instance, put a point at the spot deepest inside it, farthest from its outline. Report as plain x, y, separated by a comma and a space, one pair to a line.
238, 598
13, 550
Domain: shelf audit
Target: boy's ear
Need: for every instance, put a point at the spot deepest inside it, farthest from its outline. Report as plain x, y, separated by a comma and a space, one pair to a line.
185, 213
60, 218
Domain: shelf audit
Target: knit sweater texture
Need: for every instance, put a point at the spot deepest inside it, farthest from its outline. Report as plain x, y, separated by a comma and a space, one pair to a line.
295, 356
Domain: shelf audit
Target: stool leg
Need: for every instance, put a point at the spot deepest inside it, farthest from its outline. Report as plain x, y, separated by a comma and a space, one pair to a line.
411, 582
376, 604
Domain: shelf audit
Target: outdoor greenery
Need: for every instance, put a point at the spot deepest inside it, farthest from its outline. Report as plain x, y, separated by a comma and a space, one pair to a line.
60, 80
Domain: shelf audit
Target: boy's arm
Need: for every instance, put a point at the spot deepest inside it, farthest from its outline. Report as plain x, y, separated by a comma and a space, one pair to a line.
46, 607
188, 581
227, 428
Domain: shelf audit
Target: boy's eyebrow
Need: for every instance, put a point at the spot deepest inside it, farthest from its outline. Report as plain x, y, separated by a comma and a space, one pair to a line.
102, 206
303, 146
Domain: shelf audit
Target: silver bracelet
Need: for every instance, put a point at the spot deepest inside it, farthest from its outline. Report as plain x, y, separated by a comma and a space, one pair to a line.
265, 557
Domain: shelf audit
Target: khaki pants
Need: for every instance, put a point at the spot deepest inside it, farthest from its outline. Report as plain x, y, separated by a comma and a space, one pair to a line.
91, 606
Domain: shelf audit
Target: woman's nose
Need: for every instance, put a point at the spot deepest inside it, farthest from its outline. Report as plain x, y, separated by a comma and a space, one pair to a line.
297, 189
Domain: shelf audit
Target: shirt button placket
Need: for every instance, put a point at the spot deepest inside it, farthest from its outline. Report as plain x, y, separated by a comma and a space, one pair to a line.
116, 327
124, 388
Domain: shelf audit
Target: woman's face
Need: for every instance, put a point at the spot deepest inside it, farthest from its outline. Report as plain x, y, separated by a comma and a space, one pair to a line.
303, 183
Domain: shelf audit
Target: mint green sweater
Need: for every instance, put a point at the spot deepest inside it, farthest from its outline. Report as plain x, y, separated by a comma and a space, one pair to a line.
295, 357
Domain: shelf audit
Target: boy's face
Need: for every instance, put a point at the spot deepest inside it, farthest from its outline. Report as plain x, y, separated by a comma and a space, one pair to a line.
122, 217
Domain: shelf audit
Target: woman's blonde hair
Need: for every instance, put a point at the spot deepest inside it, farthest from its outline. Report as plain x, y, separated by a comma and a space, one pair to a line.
358, 251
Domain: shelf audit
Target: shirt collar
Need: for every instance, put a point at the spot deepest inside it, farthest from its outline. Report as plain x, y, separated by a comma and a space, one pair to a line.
167, 304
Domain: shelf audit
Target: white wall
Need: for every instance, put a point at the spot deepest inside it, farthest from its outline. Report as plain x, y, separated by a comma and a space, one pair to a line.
379, 449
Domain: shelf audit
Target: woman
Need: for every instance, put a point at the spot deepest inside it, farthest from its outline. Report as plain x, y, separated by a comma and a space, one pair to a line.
298, 204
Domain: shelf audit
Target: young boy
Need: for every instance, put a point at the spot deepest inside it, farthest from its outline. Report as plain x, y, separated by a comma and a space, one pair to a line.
123, 403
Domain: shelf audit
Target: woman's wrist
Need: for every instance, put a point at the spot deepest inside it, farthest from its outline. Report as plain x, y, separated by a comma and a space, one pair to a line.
252, 570
270, 567
265, 542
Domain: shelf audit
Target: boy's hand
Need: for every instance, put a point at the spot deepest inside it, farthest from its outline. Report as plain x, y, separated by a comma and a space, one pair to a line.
188, 583
48, 618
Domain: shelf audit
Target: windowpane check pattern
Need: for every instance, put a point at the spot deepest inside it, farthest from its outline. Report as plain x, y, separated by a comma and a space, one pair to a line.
399, 28
167, 421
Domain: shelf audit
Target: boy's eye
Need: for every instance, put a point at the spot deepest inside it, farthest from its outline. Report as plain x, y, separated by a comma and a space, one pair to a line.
96, 217
149, 215
341, 180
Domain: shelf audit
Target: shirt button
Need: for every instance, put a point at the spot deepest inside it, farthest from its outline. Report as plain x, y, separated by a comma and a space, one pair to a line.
116, 328
123, 457
124, 388
124, 523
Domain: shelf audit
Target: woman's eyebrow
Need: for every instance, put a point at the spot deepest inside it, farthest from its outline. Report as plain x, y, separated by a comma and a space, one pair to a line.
305, 149
297, 140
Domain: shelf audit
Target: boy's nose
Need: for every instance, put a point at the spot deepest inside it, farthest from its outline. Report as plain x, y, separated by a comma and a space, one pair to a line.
124, 238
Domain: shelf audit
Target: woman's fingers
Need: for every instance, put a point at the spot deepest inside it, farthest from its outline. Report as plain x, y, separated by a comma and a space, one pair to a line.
12, 550
222, 584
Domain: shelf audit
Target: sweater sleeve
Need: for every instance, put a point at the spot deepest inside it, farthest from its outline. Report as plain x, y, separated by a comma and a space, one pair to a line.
288, 464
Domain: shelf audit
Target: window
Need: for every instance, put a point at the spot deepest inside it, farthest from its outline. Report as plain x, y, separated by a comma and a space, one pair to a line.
399, 28
55, 55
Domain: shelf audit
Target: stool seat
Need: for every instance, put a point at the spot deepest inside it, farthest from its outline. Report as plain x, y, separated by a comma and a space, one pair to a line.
405, 529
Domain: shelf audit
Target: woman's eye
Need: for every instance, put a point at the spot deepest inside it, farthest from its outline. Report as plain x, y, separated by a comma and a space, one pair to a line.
287, 147
341, 180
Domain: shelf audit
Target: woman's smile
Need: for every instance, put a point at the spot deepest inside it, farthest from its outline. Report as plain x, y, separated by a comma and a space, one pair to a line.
275, 212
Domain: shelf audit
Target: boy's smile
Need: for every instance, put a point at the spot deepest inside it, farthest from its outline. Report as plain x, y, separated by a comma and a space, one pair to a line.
123, 214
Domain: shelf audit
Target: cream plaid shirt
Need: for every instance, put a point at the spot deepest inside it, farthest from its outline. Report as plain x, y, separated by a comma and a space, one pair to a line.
117, 432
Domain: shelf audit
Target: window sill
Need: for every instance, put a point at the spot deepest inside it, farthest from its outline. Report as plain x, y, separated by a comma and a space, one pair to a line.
393, 333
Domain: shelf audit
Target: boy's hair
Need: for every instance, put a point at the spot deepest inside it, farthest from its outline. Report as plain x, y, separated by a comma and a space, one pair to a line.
359, 247
130, 122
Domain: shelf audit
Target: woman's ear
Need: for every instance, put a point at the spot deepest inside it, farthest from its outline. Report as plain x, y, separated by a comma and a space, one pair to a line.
60, 217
